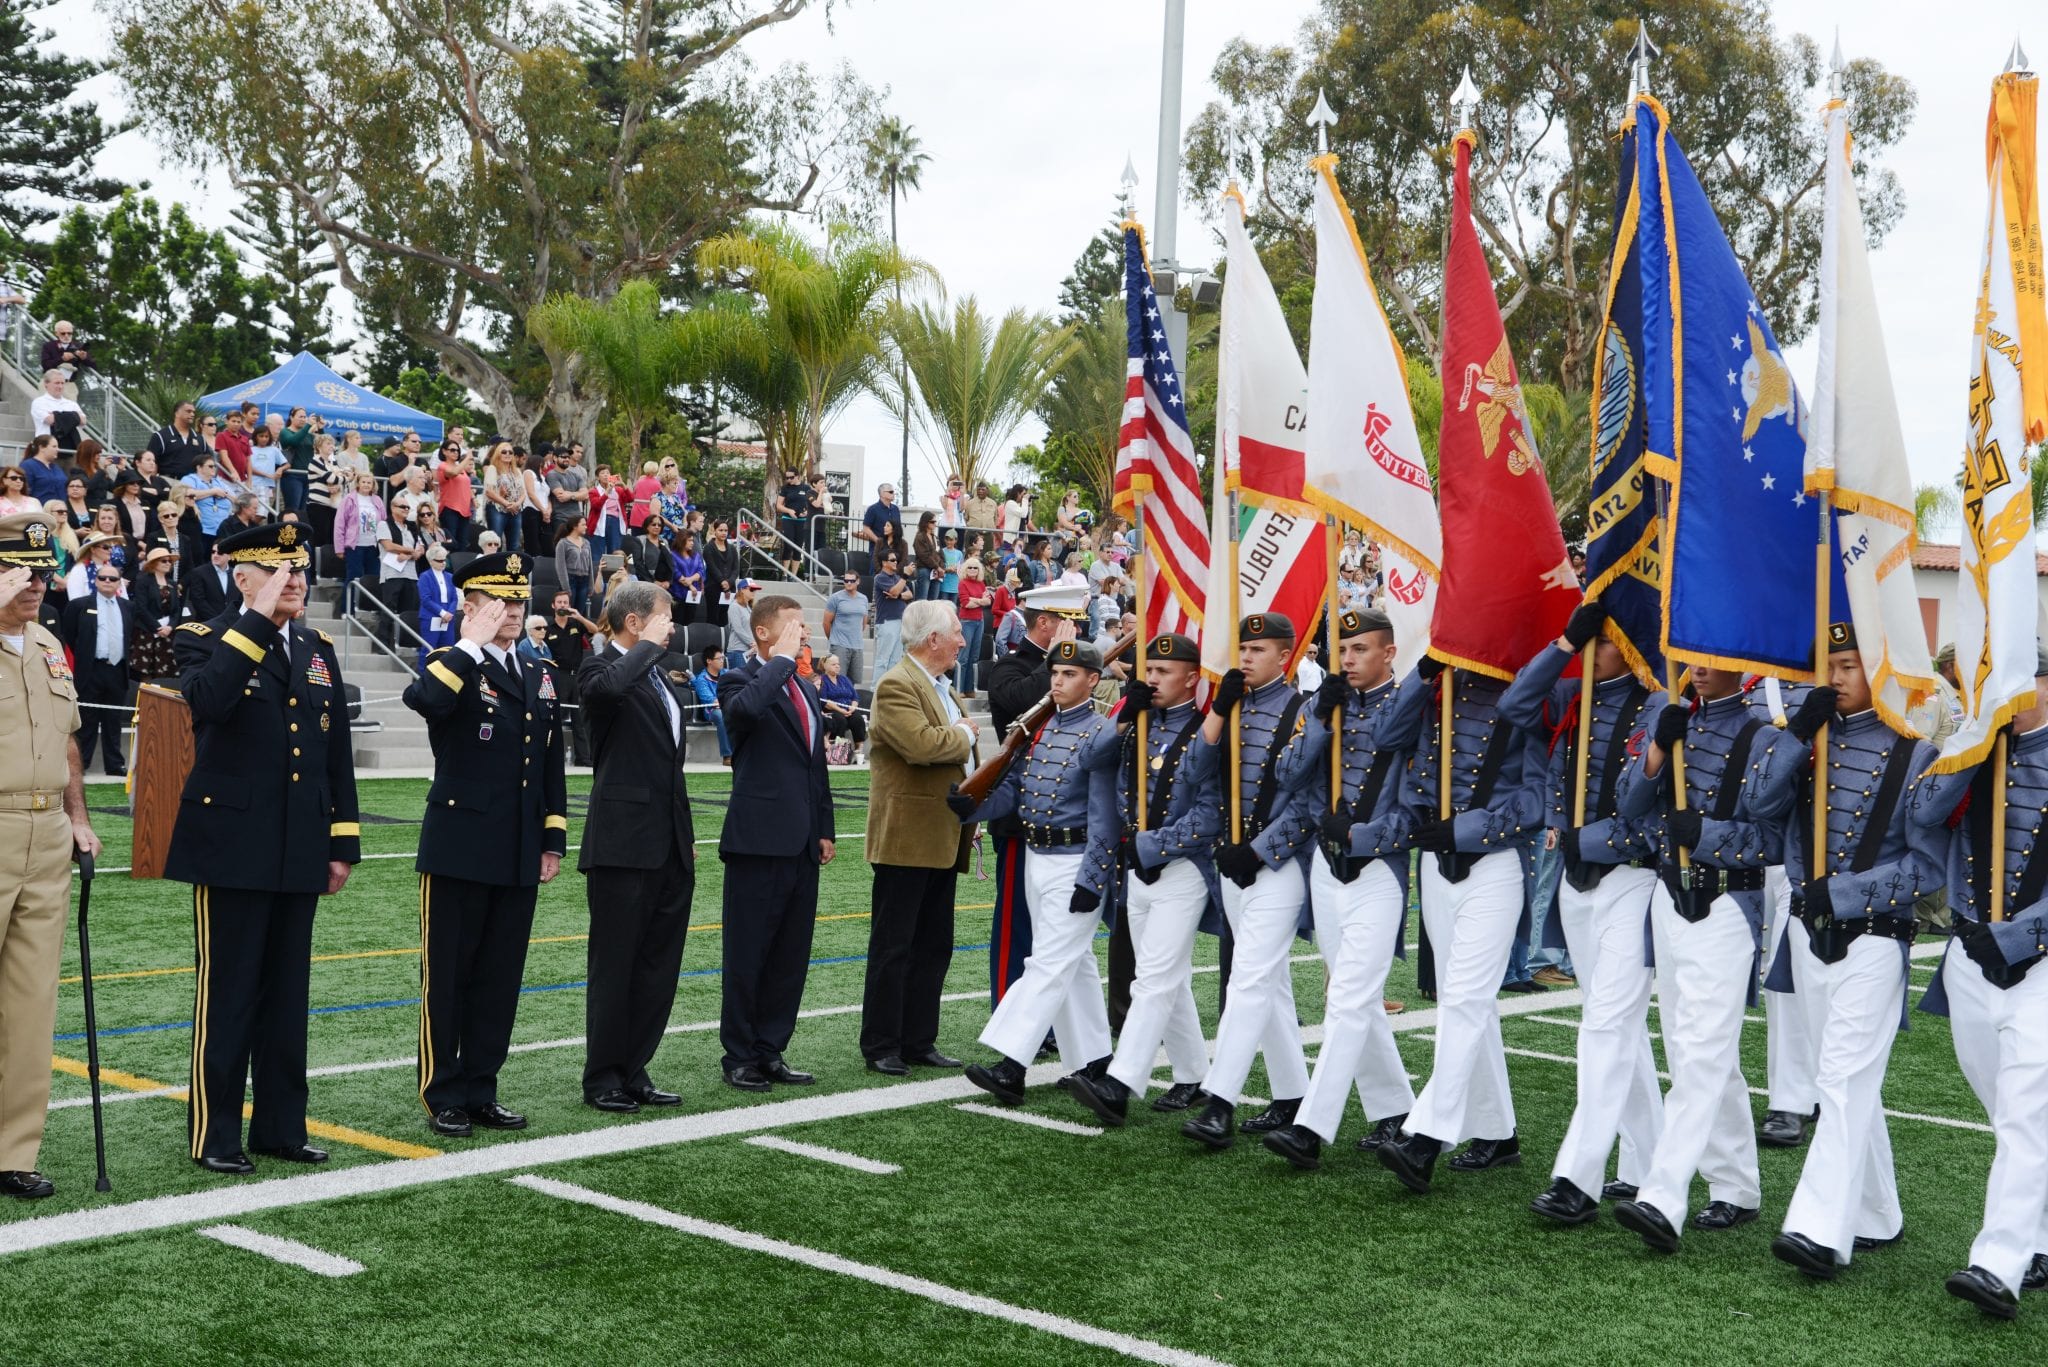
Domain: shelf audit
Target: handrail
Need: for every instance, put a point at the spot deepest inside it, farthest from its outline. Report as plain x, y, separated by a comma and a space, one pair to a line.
350, 625
744, 520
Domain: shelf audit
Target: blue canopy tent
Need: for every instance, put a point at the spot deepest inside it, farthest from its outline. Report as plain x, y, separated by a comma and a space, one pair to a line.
304, 382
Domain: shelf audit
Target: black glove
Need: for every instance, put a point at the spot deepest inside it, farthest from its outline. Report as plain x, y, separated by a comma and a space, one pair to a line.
1979, 943
1239, 862
1229, 693
1137, 697
1437, 837
1084, 901
1819, 901
1584, 624
1671, 724
1332, 694
959, 803
1335, 828
1814, 711
1429, 666
1685, 827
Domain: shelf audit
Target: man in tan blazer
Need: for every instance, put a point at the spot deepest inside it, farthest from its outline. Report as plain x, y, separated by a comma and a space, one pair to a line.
921, 743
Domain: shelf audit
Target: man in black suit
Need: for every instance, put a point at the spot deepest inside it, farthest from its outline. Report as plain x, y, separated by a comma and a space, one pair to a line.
102, 631
639, 850
778, 834
211, 590
496, 828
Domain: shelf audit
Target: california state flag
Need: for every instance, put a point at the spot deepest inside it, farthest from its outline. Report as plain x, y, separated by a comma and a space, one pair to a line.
1261, 414
2008, 413
1364, 461
1507, 584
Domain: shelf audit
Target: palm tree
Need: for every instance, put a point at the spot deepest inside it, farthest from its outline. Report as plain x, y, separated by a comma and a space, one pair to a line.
1561, 425
895, 161
1935, 507
1083, 407
730, 345
626, 347
976, 378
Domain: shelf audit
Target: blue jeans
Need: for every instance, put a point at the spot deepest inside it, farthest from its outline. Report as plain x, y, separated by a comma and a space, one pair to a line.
293, 486
921, 585
455, 526
1543, 906
607, 541
359, 563
970, 656
505, 524
724, 742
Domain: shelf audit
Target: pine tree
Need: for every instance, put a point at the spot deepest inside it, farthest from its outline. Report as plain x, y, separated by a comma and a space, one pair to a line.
1098, 275
48, 139
300, 265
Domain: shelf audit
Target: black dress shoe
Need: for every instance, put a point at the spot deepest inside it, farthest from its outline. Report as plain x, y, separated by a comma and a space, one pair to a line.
1723, 1215
1565, 1203
234, 1164
295, 1153
616, 1099
781, 1072
1864, 1243
1984, 1291
1412, 1160
1481, 1154
1386, 1132
1278, 1115
889, 1066
1179, 1097
1297, 1144
651, 1095
1785, 1129
452, 1121
932, 1058
1526, 985
2037, 1274
1214, 1126
492, 1116
1813, 1259
1619, 1191
1649, 1222
1108, 1099
747, 1078
1003, 1080
26, 1186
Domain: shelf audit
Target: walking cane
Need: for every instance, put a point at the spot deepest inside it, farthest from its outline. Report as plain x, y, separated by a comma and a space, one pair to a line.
92, 1037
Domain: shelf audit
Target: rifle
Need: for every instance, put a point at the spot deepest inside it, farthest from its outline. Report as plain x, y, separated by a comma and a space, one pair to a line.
979, 784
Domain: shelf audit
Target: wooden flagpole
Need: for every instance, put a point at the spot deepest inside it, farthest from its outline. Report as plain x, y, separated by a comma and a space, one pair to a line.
1237, 712
1998, 826
1585, 732
1822, 577
1331, 665
1142, 779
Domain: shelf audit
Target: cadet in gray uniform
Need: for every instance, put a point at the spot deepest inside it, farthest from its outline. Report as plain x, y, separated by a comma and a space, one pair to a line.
1793, 1105
1854, 901
1070, 832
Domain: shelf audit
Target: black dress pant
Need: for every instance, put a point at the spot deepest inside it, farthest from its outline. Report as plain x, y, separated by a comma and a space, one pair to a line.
853, 724
473, 939
107, 686
638, 920
910, 947
1123, 971
253, 955
771, 908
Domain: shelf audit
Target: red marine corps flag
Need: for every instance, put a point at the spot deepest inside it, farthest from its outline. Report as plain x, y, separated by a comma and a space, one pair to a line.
1507, 583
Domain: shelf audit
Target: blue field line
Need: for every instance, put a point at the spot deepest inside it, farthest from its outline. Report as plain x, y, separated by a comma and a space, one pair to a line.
544, 987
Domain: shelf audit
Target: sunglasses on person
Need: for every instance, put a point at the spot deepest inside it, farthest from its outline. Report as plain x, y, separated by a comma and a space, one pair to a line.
108, 578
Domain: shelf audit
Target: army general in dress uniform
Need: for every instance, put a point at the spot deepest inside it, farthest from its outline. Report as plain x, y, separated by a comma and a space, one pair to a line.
268, 824
496, 828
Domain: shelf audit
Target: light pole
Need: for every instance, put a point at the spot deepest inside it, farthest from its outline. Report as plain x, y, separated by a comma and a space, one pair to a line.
1166, 188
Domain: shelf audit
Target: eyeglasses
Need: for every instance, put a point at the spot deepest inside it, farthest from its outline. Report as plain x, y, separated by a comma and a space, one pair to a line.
108, 578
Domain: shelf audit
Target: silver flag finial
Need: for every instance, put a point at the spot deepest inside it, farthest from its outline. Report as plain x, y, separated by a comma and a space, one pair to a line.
1837, 69
1645, 50
1130, 178
1465, 99
1322, 116
2017, 60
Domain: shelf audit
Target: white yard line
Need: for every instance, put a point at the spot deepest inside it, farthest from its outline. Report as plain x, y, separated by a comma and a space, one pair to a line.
1145, 1350
824, 1155
1043, 1122
284, 1250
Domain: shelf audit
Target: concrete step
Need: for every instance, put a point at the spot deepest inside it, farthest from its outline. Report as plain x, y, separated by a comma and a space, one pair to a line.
419, 756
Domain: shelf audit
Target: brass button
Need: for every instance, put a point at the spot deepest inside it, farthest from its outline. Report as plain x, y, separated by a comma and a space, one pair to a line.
295, 778
295, 752
295, 726
451, 802
292, 701
206, 802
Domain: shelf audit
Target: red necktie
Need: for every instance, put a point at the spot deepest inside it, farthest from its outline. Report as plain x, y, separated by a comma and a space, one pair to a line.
803, 710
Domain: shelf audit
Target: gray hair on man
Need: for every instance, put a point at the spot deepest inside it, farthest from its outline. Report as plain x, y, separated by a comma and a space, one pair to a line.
635, 598
926, 618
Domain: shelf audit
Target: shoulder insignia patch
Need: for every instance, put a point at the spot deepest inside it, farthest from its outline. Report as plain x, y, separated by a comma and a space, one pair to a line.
196, 628
323, 635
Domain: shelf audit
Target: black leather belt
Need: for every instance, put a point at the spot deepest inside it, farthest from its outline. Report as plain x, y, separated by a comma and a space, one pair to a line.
1831, 936
1054, 837
1707, 883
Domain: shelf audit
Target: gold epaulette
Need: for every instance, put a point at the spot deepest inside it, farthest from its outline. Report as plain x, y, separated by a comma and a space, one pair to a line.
323, 635
199, 628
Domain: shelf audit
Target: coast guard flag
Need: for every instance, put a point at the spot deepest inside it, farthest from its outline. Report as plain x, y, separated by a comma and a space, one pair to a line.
1155, 460
1856, 451
1365, 462
1507, 584
1725, 428
1624, 522
1995, 593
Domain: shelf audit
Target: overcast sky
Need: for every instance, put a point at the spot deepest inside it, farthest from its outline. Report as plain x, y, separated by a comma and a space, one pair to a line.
1029, 110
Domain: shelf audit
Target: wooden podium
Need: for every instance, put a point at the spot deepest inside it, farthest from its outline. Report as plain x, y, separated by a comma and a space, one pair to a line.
161, 760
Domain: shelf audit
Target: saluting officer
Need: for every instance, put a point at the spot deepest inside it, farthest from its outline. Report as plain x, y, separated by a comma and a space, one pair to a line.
1358, 884
1610, 866
42, 817
496, 828
267, 824
1169, 881
1993, 990
1070, 832
1854, 901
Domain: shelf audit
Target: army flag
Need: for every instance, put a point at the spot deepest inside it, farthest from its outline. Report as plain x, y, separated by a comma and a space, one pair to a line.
1508, 585
1364, 460
1856, 452
1726, 428
2008, 413
1261, 417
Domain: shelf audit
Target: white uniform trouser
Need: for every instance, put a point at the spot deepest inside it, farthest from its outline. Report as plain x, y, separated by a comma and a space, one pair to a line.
1357, 925
1258, 1016
1788, 1040
1618, 1091
1471, 930
1703, 970
1060, 988
2001, 1039
1847, 1187
1164, 915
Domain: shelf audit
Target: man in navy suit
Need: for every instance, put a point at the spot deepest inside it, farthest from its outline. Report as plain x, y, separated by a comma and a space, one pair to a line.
778, 834
439, 605
102, 631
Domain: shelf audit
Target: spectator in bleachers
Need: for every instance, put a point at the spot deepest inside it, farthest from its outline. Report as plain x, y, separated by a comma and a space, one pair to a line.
1016, 513
882, 524
65, 352
686, 586
574, 562
647, 554
793, 519
974, 601
721, 571
846, 615
982, 509
356, 534
160, 592
568, 493
232, 442
178, 445
440, 604
46, 478
295, 450
326, 482
132, 512
124, 552
400, 552
840, 702
927, 563
892, 595
704, 684
99, 469
52, 413
154, 487
93, 554
608, 513
77, 508
14, 494
644, 491
533, 642
504, 481
248, 511
739, 621
534, 518
455, 494
266, 462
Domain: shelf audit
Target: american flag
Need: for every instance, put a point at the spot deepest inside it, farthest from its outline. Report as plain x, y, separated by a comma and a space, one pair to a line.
1155, 460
